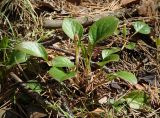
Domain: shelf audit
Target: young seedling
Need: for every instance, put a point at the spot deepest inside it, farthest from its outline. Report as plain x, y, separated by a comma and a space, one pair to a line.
57, 72
140, 27
135, 99
100, 30
108, 55
74, 30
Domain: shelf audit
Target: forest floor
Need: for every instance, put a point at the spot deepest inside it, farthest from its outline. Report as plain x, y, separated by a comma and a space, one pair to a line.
27, 90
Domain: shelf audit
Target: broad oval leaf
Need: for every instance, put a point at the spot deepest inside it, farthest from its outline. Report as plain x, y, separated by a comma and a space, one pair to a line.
127, 76
142, 27
72, 27
136, 99
107, 52
33, 48
110, 58
17, 57
61, 61
34, 86
102, 29
60, 75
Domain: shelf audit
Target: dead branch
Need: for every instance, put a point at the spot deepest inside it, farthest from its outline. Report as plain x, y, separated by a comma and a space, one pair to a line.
84, 20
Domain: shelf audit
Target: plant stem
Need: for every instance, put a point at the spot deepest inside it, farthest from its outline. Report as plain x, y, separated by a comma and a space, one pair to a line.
124, 36
77, 53
88, 62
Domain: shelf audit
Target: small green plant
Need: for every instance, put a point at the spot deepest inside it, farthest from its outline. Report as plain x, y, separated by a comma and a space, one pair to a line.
108, 55
57, 72
134, 99
62, 68
100, 30
140, 27
26, 49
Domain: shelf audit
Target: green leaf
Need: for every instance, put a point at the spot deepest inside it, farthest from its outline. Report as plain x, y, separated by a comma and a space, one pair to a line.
107, 52
61, 61
71, 27
127, 76
4, 43
102, 29
57, 74
131, 45
33, 48
110, 58
69, 75
34, 86
17, 57
136, 99
60, 75
142, 27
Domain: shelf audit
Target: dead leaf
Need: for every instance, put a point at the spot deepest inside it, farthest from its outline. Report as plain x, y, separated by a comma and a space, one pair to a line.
38, 115
98, 111
103, 100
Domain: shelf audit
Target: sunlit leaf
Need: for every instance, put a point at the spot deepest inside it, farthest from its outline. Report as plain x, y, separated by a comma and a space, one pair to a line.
136, 99
61, 61
32, 48
57, 74
102, 29
60, 75
127, 76
71, 27
107, 52
142, 27
34, 86
110, 58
